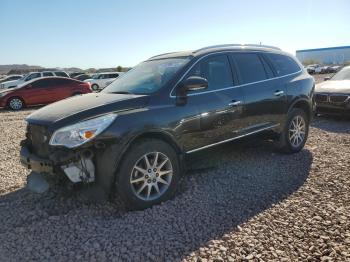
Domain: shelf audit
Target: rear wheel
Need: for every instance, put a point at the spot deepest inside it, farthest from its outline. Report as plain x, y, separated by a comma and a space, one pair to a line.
148, 175
15, 103
295, 132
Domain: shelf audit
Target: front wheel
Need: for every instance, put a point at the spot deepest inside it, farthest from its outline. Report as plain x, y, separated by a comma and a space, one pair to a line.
148, 174
94, 87
15, 103
295, 132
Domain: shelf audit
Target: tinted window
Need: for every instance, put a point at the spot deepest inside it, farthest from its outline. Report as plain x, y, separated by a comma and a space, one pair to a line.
63, 74
216, 70
113, 75
33, 76
250, 67
284, 65
43, 83
47, 74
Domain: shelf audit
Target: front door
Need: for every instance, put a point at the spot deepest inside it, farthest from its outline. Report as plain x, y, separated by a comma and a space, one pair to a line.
220, 106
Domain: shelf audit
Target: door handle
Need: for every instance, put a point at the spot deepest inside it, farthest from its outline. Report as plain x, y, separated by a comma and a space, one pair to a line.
235, 103
279, 92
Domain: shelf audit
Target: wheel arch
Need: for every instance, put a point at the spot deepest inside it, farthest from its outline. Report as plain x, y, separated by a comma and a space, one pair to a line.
303, 104
15, 96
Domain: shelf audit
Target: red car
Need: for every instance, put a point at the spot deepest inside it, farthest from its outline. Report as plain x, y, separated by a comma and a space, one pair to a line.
42, 91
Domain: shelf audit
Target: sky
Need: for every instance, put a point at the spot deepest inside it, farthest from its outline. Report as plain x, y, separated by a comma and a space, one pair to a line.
108, 33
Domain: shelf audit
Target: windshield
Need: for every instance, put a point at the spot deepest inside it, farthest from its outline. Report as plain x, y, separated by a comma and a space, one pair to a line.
96, 76
23, 77
343, 74
147, 77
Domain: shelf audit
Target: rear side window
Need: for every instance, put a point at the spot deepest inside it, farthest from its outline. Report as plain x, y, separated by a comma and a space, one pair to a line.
284, 65
113, 75
63, 74
216, 70
47, 74
250, 67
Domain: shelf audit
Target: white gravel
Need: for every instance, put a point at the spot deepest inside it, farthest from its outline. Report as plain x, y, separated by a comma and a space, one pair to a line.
240, 202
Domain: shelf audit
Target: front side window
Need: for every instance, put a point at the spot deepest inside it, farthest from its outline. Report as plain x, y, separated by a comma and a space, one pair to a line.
47, 74
283, 64
41, 83
250, 67
216, 70
33, 76
147, 77
343, 74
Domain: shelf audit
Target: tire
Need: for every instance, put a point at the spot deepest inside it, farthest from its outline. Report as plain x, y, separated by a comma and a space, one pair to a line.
15, 103
137, 183
94, 87
290, 141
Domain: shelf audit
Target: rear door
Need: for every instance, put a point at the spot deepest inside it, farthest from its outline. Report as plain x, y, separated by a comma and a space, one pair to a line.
265, 99
59, 88
219, 106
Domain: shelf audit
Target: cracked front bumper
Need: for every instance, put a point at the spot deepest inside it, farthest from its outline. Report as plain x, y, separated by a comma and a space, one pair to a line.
35, 163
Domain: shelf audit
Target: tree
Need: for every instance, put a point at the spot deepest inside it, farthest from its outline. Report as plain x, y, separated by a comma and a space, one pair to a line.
119, 68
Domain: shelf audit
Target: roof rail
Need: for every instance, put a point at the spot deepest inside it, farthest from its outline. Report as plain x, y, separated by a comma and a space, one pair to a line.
237, 45
162, 54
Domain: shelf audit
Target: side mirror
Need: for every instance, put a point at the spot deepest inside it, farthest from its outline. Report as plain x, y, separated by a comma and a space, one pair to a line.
194, 83
327, 78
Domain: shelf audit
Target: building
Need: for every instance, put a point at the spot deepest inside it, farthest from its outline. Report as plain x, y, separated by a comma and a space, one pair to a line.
330, 55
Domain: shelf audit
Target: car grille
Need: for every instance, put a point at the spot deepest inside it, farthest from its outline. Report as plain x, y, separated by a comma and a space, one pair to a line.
38, 138
338, 98
321, 98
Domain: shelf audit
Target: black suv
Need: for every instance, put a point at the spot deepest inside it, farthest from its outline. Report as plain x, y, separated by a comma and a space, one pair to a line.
134, 135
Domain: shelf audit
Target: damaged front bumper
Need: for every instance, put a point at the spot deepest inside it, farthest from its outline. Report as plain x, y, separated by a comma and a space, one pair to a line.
78, 167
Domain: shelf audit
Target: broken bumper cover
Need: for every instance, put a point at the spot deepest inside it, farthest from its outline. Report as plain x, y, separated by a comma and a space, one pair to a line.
78, 169
35, 163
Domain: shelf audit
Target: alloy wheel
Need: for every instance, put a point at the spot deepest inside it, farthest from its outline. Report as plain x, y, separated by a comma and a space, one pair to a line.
16, 103
297, 130
151, 176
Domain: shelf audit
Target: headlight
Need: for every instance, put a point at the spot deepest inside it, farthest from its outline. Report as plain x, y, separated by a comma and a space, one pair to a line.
3, 94
82, 132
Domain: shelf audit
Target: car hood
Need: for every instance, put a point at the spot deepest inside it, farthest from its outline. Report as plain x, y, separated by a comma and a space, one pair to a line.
78, 108
337, 86
11, 83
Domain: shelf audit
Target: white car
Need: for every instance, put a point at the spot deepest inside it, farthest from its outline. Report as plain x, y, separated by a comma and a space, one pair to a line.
10, 78
31, 76
101, 80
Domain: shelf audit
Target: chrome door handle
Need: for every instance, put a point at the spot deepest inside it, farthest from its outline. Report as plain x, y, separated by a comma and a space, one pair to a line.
235, 103
278, 93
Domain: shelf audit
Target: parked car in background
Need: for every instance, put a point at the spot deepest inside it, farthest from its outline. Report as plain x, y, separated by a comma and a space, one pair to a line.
82, 77
134, 135
314, 69
42, 91
74, 74
333, 96
336, 68
101, 80
31, 76
10, 78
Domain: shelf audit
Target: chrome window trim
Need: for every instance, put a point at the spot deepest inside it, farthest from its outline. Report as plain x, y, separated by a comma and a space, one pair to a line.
231, 139
230, 87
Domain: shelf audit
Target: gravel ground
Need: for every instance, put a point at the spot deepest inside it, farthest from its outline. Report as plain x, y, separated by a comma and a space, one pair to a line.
246, 203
